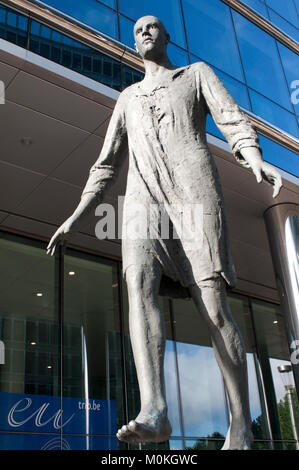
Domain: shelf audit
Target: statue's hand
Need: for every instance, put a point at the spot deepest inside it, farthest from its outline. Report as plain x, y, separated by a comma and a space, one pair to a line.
261, 169
61, 235
271, 175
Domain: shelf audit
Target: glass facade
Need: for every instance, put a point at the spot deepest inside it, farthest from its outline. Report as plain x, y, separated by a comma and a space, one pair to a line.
69, 379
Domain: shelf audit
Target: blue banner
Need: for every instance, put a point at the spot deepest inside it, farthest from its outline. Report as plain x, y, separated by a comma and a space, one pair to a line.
24, 413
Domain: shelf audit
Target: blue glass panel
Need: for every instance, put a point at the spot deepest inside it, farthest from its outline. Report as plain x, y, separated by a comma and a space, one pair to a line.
235, 88
22, 22
126, 31
45, 32
284, 25
168, 11
261, 61
211, 128
11, 19
109, 3
35, 27
177, 55
290, 62
285, 8
274, 114
2, 14
91, 13
211, 36
258, 6
56, 36
279, 156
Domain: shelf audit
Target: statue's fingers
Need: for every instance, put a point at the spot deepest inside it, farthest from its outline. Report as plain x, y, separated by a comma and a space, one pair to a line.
277, 186
257, 173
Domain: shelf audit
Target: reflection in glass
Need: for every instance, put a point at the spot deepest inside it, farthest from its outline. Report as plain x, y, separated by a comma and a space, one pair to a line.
258, 6
92, 360
211, 36
290, 62
286, 9
273, 351
274, 113
261, 61
240, 310
202, 390
292, 248
279, 156
90, 12
168, 11
28, 322
284, 25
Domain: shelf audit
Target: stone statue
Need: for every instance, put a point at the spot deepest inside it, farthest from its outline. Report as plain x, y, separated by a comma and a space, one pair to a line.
161, 121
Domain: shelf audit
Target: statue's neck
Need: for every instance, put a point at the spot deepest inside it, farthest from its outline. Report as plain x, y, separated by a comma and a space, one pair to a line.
157, 68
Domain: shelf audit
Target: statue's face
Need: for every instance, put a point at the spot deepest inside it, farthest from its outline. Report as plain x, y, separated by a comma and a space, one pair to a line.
151, 38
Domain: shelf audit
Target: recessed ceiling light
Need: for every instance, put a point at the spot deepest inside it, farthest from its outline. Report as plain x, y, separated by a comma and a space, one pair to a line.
33, 343
39, 294
275, 322
72, 273
49, 367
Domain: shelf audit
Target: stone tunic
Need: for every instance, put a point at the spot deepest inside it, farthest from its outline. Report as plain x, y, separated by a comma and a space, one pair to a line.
170, 164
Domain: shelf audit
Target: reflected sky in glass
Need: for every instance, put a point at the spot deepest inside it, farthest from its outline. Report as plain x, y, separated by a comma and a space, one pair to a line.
258, 6
168, 11
274, 114
279, 156
261, 62
290, 62
286, 9
284, 25
211, 36
202, 391
90, 12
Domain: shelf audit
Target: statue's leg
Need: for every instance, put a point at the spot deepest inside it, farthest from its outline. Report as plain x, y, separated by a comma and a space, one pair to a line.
147, 333
211, 301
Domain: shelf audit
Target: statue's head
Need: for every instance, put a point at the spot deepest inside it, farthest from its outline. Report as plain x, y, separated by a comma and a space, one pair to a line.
151, 37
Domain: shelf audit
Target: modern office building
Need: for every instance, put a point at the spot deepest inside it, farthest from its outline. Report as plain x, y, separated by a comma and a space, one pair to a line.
67, 375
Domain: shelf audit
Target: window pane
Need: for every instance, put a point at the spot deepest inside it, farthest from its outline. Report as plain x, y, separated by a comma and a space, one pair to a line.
284, 25
30, 375
168, 11
286, 9
274, 113
126, 31
92, 360
235, 88
273, 352
290, 62
177, 56
211, 35
279, 156
202, 389
261, 61
240, 309
258, 6
89, 12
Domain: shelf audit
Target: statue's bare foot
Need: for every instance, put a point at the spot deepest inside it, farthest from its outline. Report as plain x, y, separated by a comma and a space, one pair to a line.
152, 426
238, 439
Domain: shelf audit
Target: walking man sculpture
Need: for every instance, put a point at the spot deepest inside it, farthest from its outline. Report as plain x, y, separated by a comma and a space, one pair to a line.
161, 122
